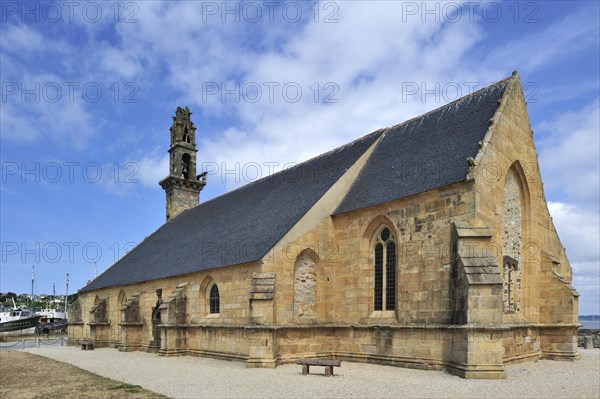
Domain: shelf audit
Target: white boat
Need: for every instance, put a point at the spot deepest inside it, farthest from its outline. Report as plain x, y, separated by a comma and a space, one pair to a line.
16, 320
51, 315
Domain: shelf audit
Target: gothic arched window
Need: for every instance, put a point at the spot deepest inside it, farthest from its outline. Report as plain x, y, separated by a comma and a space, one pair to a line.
513, 224
214, 299
385, 271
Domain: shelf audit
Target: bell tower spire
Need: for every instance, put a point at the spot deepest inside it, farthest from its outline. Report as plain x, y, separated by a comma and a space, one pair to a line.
182, 186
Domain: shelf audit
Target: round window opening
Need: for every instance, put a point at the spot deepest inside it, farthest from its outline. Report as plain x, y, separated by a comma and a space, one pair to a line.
385, 234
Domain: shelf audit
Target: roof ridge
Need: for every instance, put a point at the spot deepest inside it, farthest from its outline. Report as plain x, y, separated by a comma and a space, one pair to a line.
406, 122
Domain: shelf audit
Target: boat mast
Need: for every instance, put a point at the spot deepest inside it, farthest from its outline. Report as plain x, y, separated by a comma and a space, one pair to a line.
66, 295
32, 282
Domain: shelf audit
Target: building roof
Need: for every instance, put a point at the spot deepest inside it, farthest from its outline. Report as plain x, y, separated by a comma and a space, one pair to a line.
424, 153
421, 154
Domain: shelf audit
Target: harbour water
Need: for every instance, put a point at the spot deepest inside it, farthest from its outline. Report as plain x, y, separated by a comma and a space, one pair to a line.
590, 324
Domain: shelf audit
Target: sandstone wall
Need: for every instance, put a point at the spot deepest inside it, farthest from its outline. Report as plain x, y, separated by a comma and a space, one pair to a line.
510, 200
422, 227
233, 283
344, 262
507, 168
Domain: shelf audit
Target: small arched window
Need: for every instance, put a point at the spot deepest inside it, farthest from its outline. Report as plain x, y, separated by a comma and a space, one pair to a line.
385, 271
185, 165
214, 301
186, 136
122, 298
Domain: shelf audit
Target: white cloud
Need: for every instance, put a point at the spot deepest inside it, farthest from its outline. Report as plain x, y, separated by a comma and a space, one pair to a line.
24, 42
588, 287
568, 147
37, 102
123, 64
563, 38
365, 65
22, 38
556, 93
14, 126
152, 169
568, 153
123, 178
579, 231
360, 64
46, 112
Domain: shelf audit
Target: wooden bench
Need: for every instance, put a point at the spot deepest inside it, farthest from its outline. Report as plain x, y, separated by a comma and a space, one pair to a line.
329, 364
87, 345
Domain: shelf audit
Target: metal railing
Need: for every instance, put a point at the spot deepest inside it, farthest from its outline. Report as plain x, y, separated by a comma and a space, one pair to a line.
36, 342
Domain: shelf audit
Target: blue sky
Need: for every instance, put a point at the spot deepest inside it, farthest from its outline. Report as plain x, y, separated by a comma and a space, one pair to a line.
89, 89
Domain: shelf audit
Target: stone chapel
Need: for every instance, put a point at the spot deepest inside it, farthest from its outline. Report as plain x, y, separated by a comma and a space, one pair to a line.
427, 245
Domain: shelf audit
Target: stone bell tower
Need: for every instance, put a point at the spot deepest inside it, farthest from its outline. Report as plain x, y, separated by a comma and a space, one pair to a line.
182, 186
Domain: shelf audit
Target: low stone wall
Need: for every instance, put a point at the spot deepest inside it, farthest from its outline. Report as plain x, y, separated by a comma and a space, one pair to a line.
586, 333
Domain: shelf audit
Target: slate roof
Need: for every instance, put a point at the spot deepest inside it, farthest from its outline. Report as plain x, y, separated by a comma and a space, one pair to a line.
426, 152
421, 154
237, 227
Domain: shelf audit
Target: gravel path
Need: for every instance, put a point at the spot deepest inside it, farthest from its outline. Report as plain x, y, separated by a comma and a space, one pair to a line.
195, 377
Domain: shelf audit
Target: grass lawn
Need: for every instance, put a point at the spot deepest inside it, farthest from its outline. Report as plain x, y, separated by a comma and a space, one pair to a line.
23, 375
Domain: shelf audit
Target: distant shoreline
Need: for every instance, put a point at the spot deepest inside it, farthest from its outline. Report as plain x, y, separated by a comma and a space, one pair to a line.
589, 317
